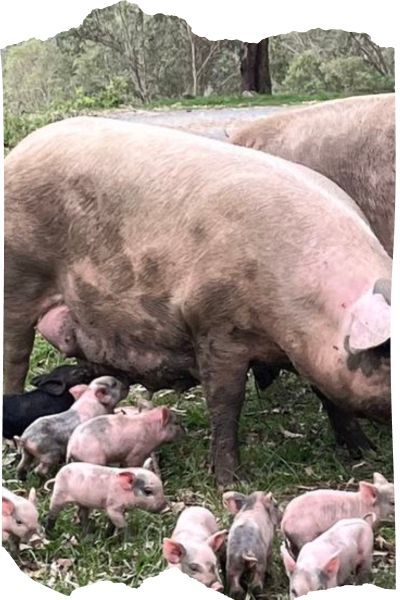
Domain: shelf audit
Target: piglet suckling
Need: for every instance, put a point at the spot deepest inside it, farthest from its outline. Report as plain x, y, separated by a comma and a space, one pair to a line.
124, 438
19, 518
194, 545
310, 514
114, 490
330, 560
46, 439
249, 546
51, 396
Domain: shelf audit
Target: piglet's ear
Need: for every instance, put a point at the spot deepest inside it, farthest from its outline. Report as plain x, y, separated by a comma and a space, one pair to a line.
370, 323
288, 561
233, 501
7, 507
126, 480
380, 479
332, 566
32, 496
102, 395
165, 415
216, 540
368, 491
173, 552
77, 390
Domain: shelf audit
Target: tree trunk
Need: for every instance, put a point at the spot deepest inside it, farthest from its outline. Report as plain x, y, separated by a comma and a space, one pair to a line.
254, 68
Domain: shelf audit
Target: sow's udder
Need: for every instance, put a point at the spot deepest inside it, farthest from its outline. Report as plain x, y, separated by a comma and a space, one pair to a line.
58, 328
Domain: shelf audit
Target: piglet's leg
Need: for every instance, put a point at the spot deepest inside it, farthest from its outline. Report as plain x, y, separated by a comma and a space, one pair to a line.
258, 583
83, 516
56, 506
116, 517
24, 464
364, 570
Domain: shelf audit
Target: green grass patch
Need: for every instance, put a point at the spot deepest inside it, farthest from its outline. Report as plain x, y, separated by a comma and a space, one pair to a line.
273, 459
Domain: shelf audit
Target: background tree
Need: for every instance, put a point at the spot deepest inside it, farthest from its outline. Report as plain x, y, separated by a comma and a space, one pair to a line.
255, 68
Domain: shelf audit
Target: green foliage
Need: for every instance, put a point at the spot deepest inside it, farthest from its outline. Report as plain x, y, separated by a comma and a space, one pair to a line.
304, 74
352, 74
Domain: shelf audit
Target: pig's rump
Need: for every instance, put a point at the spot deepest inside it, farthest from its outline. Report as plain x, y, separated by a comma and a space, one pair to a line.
245, 542
51, 435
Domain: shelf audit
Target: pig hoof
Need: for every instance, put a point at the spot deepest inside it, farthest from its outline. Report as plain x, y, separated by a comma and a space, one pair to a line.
49, 526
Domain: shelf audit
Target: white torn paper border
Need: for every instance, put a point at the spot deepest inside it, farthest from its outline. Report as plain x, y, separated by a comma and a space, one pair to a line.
251, 21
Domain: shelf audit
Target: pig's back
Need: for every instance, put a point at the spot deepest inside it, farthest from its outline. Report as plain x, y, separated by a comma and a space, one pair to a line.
157, 203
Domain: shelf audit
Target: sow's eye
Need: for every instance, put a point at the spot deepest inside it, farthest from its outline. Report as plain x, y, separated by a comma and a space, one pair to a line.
194, 567
19, 522
148, 491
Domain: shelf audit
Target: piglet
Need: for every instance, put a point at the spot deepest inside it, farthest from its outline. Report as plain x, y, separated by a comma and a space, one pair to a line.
114, 490
310, 514
330, 560
52, 396
46, 439
20, 518
123, 438
249, 546
194, 545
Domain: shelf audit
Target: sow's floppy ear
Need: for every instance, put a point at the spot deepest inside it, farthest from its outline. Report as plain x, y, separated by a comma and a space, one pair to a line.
233, 501
173, 551
369, 322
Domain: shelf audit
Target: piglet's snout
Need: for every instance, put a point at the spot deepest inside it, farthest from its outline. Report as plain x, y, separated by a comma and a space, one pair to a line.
217, 586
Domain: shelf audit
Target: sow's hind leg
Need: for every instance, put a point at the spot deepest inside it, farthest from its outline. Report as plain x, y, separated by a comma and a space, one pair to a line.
223, 373
25, 282
346, 428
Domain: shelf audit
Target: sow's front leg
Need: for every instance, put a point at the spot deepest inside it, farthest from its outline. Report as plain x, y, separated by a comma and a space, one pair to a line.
24, 286
223, 376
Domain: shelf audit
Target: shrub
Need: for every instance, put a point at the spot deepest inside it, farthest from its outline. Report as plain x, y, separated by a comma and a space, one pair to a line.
352, 74
304, 74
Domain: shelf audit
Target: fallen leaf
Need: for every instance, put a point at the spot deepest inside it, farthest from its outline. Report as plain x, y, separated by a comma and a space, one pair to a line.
309, 471
290, 434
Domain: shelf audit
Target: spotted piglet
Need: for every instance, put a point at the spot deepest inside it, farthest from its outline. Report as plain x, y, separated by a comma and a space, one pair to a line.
332, 558
249, 550
310, 514
46, 439
194, 545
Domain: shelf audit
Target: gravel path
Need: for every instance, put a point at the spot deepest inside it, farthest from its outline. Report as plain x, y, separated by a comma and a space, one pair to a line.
210, 122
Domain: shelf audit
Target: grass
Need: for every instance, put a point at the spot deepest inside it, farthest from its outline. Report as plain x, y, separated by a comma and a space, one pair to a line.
273, 460
238, 100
